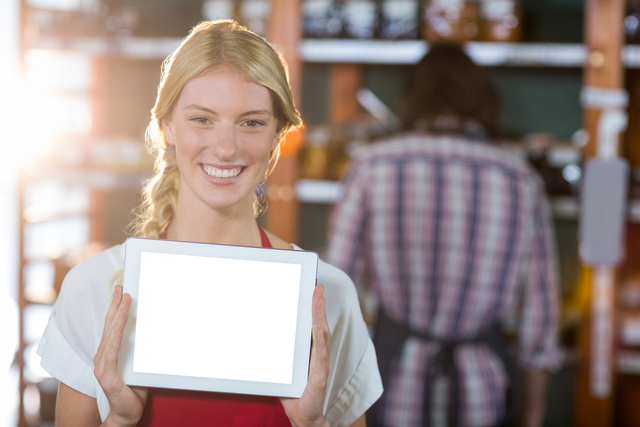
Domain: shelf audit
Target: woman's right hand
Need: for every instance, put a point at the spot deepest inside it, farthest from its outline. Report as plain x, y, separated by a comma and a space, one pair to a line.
127, 403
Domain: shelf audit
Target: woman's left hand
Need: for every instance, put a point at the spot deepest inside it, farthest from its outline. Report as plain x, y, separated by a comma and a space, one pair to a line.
307, 411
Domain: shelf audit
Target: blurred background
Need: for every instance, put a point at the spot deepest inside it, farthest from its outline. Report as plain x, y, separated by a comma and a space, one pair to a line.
78, 79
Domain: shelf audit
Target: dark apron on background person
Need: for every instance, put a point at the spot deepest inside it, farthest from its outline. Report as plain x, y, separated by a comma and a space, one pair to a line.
389, 339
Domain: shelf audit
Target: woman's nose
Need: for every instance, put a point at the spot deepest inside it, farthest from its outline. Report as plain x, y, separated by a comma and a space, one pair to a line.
225, 142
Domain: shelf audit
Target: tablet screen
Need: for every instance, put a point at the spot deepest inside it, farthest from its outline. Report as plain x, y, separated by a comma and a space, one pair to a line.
216, 318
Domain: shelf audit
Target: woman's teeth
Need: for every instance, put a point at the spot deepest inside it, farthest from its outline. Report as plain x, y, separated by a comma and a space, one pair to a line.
221, 173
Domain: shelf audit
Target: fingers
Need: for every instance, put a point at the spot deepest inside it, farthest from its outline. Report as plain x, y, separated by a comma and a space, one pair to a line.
321, 368
105, 360
112, 314
321, 347
320, 314
127, 404
115, 303
116, 332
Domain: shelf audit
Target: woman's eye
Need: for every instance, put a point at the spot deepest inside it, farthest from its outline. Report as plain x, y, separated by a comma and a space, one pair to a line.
253, 123
202, 120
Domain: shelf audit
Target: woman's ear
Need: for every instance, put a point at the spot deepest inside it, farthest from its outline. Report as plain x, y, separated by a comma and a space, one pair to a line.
167, 129
276, 139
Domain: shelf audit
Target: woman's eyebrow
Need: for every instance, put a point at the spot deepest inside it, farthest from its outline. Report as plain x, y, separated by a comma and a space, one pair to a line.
199, 107
253, 112
246, 113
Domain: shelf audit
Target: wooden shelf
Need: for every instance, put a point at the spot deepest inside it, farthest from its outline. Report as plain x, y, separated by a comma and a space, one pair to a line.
318, 191
627, 362
92, 178
132, 47
559, 55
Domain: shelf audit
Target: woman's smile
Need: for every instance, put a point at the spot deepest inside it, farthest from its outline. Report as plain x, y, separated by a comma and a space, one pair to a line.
221, 175
222, 172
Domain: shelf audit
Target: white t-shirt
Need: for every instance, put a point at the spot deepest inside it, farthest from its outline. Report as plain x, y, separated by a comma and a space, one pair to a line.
72, 336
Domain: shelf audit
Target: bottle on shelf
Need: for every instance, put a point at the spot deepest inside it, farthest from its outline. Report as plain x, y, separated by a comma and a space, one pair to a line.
254, 14
501, 20
322, 18
399, 20
557, 162
632, 22
218, 9
328, 148
314, 154
450, 20
337, 152
360, 19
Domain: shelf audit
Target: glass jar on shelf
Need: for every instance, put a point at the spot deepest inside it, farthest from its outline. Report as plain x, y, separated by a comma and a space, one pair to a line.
314, 154
450, 20
360, 19
218, 9
322, 18
557, 162
501, 20
632, 22
399, 19
337, 152
255, 14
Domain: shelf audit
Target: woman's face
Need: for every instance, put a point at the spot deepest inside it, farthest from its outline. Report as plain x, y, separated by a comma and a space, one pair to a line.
223, 128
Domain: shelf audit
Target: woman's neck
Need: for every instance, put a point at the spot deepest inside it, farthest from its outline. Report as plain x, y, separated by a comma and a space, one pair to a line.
228, 228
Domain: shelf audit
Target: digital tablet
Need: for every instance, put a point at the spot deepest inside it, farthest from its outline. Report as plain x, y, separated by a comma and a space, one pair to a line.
217, 318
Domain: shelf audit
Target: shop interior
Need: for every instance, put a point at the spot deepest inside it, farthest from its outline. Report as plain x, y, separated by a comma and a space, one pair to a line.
85, 74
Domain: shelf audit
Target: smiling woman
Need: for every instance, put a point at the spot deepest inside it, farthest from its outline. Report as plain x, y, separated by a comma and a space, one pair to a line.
224, 107
241, 56
224, 131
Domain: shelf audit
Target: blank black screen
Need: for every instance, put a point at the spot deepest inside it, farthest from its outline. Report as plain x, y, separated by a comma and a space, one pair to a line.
217, 318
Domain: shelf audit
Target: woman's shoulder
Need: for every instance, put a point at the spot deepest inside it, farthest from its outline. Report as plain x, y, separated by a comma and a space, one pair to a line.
277, 242
78, 317
110, 260
339, 288
91, 280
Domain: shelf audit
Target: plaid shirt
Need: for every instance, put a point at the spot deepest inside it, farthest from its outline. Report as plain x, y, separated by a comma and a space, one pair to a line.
453, 233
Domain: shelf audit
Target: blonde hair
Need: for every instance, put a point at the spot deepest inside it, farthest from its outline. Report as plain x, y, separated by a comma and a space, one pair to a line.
209, 45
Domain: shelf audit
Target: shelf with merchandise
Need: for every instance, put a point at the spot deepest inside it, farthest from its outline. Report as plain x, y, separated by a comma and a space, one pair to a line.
509, 54
561, 55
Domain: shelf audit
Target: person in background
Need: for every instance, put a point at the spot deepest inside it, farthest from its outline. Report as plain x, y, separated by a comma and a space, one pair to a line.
223, 109
451, 231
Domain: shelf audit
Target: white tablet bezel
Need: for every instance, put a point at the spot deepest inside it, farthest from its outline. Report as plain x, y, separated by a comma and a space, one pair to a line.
134, 247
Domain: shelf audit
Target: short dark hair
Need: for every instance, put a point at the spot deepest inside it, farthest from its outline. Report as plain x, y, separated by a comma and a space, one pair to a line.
447, 82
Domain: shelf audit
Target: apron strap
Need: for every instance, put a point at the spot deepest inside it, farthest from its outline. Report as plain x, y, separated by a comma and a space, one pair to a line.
389, 340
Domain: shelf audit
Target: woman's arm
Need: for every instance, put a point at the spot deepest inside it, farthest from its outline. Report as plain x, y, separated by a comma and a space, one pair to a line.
360, 422
535, 398
75, 409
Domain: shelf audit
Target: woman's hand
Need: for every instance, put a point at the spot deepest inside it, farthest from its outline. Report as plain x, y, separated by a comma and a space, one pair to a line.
126, 403
307, 411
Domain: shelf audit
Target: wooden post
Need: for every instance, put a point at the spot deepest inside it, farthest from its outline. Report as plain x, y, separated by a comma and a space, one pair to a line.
604, 68
282, 213
22, 303
344, 82
100, 96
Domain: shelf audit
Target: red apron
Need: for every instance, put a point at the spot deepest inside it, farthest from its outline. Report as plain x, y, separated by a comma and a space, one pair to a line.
170, 408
